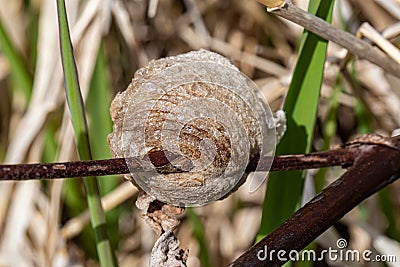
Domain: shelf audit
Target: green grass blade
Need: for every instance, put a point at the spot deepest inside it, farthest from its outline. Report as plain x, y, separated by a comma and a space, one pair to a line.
284, 189
100, 125
199, 234
50, 145
388, 208
23, 79
75, 103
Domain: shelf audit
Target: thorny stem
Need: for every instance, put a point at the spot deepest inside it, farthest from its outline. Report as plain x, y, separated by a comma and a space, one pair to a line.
344, 156
42, 171
373, 161
375, 167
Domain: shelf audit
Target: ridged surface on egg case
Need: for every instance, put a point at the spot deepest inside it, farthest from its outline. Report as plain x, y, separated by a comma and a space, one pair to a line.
204, 114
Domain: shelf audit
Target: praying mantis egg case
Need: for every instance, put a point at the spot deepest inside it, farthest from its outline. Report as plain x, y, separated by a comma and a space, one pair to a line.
203, 114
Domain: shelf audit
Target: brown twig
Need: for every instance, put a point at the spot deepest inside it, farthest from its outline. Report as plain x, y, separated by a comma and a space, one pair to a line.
43, 171
375, 167
338, 157
318, 26
344, 156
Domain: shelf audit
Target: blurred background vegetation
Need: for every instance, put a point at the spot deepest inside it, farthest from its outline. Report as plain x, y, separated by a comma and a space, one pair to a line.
46, 223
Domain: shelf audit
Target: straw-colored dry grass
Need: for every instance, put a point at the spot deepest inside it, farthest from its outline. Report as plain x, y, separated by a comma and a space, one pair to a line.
36, 228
